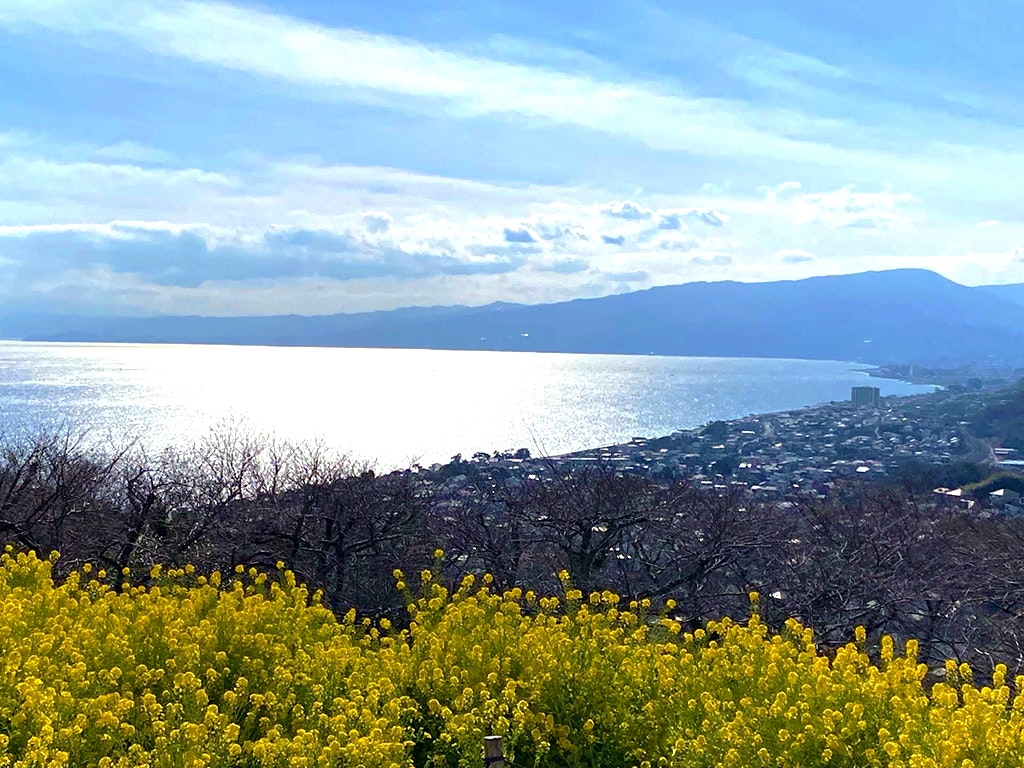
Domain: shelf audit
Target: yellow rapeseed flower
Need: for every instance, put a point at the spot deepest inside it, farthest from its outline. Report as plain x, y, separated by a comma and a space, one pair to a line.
192, 673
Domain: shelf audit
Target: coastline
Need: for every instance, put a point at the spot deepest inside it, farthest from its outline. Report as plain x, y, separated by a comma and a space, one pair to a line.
807, 450
395, 407
972, 376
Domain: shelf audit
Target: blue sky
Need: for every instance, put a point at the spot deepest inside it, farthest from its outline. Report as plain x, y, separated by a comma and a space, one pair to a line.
313, 157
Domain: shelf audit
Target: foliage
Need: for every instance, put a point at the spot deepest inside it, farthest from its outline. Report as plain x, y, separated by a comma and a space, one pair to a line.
921, 477
1013, 481
1003, 418
252, 670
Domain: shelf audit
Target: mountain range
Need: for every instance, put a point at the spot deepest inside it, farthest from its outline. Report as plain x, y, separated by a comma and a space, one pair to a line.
904, 315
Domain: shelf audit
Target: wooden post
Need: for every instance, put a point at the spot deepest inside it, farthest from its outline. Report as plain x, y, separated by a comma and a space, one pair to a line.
492, 752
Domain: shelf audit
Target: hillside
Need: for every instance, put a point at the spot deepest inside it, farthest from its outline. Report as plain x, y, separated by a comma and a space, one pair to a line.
912, 316
1013, 293
1002, 419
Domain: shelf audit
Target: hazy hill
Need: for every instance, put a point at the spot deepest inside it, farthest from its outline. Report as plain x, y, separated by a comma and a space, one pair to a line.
899, 315
1014, 293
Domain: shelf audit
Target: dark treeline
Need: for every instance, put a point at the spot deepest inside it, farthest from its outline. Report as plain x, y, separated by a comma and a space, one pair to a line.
877, 557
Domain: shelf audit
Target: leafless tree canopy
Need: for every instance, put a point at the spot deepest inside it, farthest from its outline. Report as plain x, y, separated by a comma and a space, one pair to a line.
869, 556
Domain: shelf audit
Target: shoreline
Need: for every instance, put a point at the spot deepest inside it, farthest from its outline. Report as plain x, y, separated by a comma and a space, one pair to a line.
391, 408
879, 372
807, 450
972, 376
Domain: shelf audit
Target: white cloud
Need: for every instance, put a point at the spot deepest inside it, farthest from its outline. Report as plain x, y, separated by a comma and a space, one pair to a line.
377, 223
188, 257
26, 177
356, 65
134, 152
679, 245
772, 195
848, 208
563, 230
521, 235
794, 256
625, 209
674, 219
262, 228
716, 260
420, 237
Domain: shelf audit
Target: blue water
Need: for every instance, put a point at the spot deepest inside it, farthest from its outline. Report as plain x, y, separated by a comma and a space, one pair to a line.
394, 407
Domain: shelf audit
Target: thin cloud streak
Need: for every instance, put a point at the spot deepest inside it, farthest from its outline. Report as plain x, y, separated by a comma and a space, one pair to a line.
660, 115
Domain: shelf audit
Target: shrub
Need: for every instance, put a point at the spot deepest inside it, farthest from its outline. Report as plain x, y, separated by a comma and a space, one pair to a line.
250, 669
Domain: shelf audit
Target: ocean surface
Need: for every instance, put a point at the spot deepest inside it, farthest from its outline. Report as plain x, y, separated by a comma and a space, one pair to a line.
395, 407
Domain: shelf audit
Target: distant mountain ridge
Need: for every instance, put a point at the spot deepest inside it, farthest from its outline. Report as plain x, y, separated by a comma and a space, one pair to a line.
1013, 293
906, 315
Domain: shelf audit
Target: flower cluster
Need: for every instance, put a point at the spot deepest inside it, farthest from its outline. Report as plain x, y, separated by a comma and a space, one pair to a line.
250, 670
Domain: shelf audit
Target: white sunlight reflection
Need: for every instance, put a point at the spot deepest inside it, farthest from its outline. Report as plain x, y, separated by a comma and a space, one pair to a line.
396, 407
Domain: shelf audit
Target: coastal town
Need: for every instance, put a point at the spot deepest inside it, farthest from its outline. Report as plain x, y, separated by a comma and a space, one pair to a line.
806, 452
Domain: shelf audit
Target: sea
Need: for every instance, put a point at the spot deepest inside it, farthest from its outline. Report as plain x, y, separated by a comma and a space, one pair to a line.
396, 407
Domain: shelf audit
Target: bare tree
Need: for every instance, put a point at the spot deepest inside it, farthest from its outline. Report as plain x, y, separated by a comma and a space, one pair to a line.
484, 526
707, 550
48, 484
587, 520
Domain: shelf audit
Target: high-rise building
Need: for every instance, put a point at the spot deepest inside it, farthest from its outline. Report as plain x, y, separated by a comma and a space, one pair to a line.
865, 396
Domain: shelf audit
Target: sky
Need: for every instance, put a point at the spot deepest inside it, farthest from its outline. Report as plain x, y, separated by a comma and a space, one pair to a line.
321, 156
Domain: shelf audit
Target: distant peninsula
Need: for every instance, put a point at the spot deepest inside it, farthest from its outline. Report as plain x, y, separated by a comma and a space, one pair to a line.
906, 315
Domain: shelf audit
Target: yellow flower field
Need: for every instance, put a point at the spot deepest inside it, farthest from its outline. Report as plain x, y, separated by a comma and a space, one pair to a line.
246, 670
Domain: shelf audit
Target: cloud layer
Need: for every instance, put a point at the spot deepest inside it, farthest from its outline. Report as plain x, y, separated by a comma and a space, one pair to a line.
216, 157
362, 234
